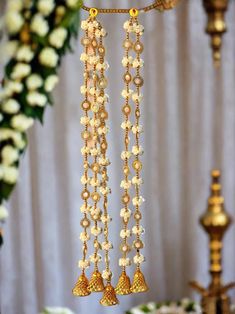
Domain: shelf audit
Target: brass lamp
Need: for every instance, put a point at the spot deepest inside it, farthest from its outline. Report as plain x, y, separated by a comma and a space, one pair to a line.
215, 221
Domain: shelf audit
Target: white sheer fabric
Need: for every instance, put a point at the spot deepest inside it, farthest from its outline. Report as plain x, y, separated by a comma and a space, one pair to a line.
189, 117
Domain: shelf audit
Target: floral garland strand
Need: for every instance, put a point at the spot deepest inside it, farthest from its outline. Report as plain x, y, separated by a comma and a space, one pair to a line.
39, 34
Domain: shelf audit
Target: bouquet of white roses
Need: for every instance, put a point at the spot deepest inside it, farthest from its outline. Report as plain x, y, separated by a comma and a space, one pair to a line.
56, 310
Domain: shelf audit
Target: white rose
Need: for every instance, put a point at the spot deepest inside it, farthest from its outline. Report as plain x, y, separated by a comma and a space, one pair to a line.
14, 5
21, 122
57, 37
12, 87
9, 155
18, 140
73, 4
25, 53
36, 99
51, 82
10, 174
46, 6
14, 22
3, 213
1, 117
34, 81
11, 106
49, 57
139, 259
20, 71
39, 25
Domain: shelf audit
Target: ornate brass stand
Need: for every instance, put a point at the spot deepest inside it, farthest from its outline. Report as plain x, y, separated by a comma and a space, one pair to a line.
215, 222
216, 25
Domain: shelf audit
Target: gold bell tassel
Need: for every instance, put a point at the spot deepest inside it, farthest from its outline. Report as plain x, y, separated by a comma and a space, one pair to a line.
96, 282
139, 283
124, 284
109, 297
81, 287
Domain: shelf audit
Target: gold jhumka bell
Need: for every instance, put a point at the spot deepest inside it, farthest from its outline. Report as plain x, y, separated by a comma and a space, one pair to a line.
96, 283
139, 283
81, 287
109, 297
215, 221
124, 284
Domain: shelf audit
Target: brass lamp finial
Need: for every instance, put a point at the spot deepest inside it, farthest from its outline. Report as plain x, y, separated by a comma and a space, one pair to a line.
215, 221
216, 25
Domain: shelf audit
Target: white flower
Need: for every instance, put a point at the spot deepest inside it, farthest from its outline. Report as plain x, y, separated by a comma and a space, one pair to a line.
21, 122
3, 213
11, 106
126, 93
102, 66
84, 25
51, 82
136, 97
103, 130
48, 57
10, 174
137, 150
139, 259
83, 89
139, 29
124, 262
85, 208
104, 161
126, 125
138, 63
93, 60
127, 61
137, 181
73, 4
105, 190
125, 184
36, 99
94, 182
138, 201
94, 151
17, 137
20, 71
125, 213
57, 37
137, 128
83, 264
95, 258
1, 117
127, 26
14, 22
14, 5
105, 219
84, 120
96, 231
9, 155
137, 230
95, 212
125, 154
39, 25
84, 57
106, 246
46, 6
84, 180
94, 122
85, 150
84, 236
106, 274
125, 233
25, 54
34, 81
56, 310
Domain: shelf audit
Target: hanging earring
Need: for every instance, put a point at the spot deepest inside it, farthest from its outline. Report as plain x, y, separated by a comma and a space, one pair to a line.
139, 283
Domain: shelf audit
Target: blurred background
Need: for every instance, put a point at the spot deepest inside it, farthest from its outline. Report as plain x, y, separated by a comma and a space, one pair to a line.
189, 121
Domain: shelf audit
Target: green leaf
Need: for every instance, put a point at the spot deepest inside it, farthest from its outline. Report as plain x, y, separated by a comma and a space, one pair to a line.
5, 190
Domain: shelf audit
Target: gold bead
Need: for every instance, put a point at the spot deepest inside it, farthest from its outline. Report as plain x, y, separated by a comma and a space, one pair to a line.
95, 196
86, 105
93, 12
85, 194
86, 135
95, 167
85, 41
126, 170
127, 77
103, 114
134, 12
137, 215
102, 83
137, 113
138, 81
104, 146
127, 44
94, 43
137, 165
85, 223
126, 198
101, 50
138, 47
138, 244
125, 248
126, 109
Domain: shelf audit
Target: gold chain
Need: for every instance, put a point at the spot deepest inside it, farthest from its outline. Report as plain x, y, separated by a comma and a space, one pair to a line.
157, 5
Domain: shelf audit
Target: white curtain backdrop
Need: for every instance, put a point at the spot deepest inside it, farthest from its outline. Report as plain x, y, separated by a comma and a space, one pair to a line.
189, 118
